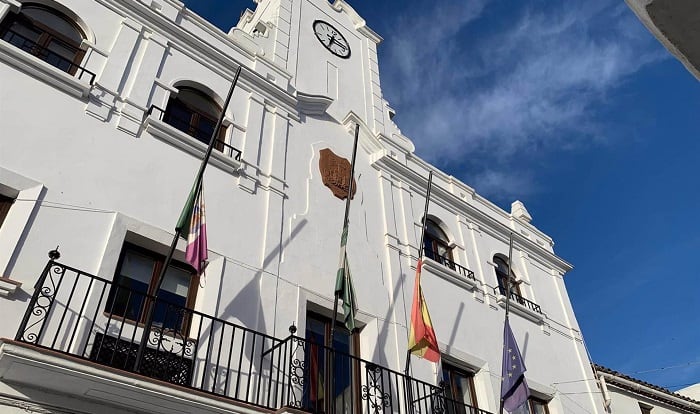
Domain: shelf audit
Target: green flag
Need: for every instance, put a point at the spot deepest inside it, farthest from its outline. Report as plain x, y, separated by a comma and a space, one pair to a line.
183, 223
343, 284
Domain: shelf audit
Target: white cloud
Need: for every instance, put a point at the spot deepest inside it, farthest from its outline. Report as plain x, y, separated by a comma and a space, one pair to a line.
533, 88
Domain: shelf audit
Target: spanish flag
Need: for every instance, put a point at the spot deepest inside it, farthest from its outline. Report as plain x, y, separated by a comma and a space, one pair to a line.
422, 340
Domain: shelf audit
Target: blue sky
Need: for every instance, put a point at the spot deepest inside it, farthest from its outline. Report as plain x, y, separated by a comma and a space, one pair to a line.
575, 109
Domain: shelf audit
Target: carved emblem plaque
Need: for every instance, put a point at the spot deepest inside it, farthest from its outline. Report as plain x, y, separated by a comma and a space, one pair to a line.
335, 173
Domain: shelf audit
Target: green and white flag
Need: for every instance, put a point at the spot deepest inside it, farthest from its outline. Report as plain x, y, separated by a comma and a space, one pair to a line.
343, 284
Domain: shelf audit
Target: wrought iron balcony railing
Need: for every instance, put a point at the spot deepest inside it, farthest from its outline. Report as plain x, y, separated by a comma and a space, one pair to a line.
498, 290
77, 314
447, 262
200, 134
47, 55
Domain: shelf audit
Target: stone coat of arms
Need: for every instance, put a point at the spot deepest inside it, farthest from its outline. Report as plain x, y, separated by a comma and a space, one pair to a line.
335, 173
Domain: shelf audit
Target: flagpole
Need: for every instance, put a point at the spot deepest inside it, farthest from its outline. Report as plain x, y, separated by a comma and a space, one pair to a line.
345, 223
507, 283
329, 374
150, 308
510, 271
420, 248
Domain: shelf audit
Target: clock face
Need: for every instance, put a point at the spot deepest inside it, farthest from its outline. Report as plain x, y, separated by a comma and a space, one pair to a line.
331, 38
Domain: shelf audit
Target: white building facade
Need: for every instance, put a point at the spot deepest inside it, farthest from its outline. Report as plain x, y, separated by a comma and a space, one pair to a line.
106, 110
625, 394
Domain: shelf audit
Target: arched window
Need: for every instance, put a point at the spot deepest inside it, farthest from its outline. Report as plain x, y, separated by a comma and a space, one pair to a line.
195, 113
502, 275
47, 34
436, 244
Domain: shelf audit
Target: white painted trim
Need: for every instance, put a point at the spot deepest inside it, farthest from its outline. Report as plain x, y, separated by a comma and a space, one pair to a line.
95, 385
521, 310
8, 286
313, 104
381, 161
179, 139
39, 69
448, 274
656, 394
19, 215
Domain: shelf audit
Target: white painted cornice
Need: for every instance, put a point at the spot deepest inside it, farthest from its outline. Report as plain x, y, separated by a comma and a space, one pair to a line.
8, 287
448, 274
219, 61
521, 310
357, 20
626, 384
313, 104
462, 207
39, 69
369, 142
179, 139
35, 368
398, 141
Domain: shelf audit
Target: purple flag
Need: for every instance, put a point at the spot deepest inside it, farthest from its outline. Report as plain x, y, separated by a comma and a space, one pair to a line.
196, 253
514, 390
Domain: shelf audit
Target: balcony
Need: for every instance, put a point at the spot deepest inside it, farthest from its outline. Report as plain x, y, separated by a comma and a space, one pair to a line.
73, 315
518, 304
447, 262
47, 55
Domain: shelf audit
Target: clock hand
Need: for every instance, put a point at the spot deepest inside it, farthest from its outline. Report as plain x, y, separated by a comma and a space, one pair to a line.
338, 43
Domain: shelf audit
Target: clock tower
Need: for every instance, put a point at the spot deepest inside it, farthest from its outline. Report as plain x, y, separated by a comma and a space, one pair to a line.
328, 50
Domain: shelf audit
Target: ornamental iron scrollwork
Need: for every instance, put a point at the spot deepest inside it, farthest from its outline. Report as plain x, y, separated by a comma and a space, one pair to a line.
298, 371
373, 391
38, 311
438, 397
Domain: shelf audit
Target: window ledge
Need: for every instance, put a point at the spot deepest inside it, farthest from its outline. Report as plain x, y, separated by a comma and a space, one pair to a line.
448, 274
313, 104
179, 139
37, 68
8, 287
521, 310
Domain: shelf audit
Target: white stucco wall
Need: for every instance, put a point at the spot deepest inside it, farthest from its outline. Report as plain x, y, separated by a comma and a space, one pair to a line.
103, 172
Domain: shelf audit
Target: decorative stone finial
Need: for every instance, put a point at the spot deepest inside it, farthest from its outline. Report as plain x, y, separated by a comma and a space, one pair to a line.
518, 210
54, 254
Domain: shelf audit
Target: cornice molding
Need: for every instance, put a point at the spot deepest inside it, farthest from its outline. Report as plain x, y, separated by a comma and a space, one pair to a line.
460, 207
179, 139
39, 69
521, 310
448, 274
43, 369
367, 140
313, 104
8, 286
219, 61
357, 20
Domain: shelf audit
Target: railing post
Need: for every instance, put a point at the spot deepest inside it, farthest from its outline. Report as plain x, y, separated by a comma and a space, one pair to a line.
53, 256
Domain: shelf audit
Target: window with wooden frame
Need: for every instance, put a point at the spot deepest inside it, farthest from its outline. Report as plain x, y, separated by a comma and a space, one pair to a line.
47, 34
436, 244
135, 282
5, 204
459, 390
343, 382
537, 406
505, 275
196, 114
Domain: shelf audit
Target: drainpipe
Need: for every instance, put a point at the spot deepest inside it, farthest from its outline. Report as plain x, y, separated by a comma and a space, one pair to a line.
606, 396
